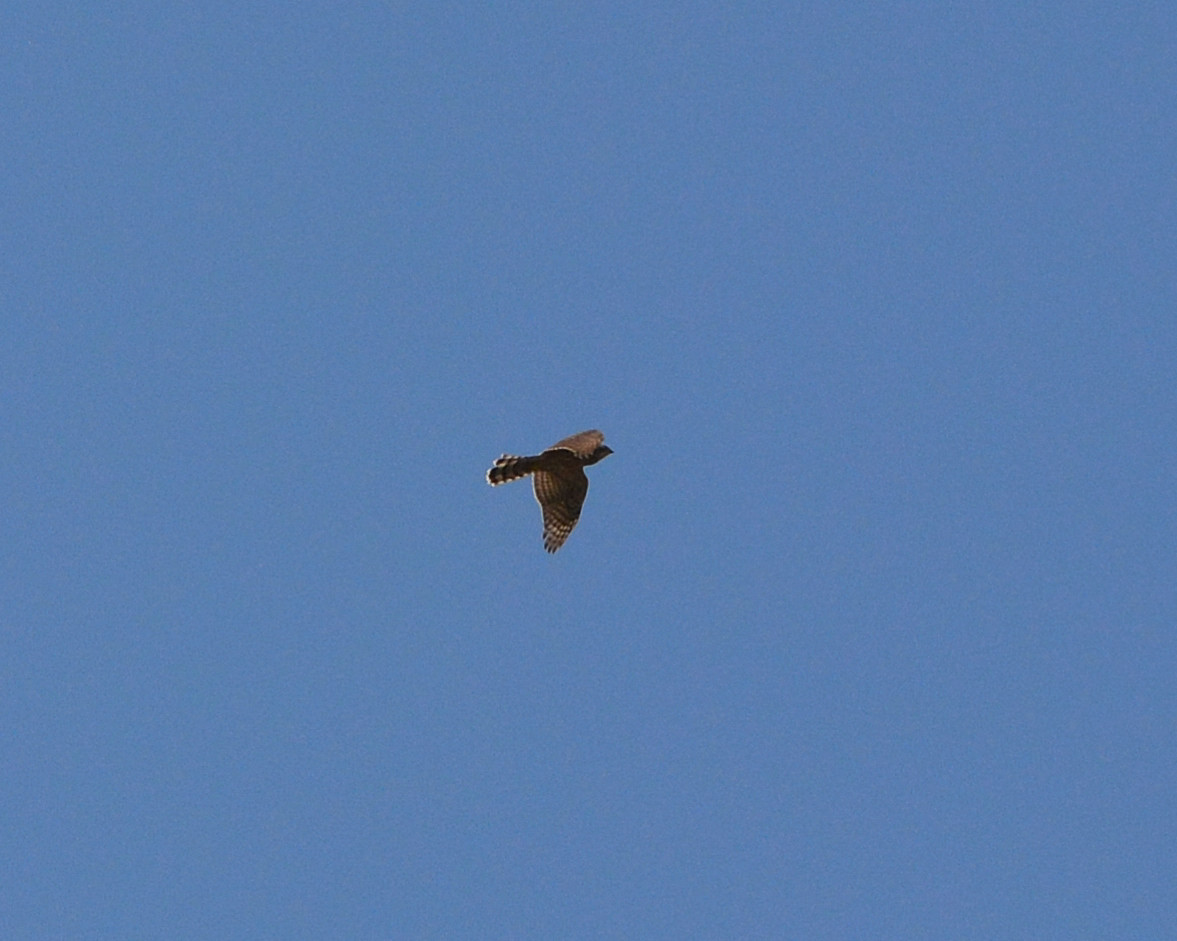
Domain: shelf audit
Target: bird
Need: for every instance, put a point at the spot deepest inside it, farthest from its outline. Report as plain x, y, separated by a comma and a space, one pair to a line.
559, 480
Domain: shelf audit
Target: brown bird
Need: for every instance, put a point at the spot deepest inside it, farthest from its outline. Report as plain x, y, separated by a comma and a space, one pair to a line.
559, 480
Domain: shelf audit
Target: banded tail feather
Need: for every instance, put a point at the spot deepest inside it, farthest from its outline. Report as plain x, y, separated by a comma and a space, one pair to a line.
511, 467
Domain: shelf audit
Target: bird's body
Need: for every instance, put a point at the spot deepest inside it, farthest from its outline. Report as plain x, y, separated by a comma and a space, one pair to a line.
559, 480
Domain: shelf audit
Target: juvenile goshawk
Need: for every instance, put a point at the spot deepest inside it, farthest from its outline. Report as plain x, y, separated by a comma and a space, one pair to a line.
558, 476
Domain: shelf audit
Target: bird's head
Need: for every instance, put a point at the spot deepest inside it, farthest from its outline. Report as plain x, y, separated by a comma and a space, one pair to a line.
602, 452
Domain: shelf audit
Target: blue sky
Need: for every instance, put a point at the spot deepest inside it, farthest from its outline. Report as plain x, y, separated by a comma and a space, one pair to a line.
867, 630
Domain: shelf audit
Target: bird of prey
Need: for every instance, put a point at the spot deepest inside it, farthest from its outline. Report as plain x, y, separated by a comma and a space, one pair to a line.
559, 480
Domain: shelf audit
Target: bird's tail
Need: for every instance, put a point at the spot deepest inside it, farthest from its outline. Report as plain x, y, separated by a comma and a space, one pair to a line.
510, 467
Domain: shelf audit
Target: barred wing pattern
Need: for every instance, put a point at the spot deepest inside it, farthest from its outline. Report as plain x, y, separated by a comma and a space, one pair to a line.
583, 445
561, 495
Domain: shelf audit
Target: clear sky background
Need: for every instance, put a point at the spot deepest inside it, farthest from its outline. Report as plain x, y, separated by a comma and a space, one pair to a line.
867, 630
